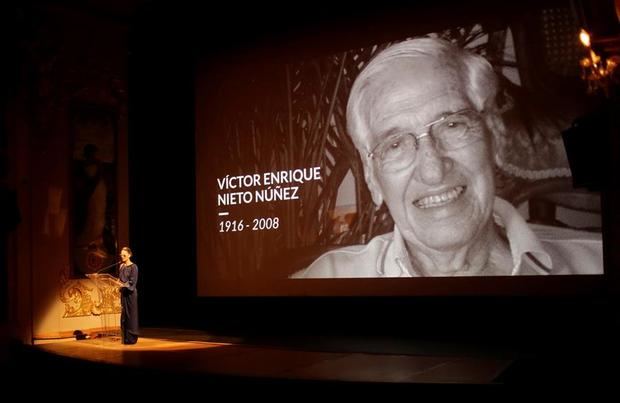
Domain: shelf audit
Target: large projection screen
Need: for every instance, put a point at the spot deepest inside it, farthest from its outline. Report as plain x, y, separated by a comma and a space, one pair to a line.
291, 202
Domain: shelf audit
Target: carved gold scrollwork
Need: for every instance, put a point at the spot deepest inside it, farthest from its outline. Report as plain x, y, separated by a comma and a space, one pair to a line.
76, 296
109, 300
81, 300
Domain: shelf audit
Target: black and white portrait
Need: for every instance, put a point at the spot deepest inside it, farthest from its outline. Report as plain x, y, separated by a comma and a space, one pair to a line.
441, 154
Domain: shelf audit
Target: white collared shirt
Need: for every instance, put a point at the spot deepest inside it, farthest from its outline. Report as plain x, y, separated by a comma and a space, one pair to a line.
535, 249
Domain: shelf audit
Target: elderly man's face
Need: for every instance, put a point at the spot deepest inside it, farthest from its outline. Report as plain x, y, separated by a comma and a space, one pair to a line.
443, 200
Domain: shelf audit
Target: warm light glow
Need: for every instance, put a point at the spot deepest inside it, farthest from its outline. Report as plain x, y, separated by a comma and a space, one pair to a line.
597, 71
584, 37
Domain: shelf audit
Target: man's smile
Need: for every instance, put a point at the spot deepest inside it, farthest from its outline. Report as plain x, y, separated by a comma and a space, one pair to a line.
440, 199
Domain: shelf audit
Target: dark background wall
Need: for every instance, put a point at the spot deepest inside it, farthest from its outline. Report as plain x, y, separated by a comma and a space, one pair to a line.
60, 55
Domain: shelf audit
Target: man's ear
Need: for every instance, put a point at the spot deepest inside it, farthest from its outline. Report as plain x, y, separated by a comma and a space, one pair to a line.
372, 183
498, 140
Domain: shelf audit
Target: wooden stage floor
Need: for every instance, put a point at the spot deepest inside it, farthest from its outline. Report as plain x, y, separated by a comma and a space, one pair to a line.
172, 360
200, 354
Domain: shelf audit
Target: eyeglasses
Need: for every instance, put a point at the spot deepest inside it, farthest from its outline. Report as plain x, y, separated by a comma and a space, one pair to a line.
450, 132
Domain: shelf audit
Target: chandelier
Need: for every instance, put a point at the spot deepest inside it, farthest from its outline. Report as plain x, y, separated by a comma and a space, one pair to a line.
597, 70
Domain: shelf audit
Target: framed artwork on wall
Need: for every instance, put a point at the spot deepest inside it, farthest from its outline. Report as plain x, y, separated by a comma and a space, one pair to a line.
94, 132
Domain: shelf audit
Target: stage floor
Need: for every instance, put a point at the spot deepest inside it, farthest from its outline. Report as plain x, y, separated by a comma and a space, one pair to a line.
198, 354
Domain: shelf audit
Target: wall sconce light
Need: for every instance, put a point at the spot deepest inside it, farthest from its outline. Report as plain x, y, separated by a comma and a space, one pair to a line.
599, 72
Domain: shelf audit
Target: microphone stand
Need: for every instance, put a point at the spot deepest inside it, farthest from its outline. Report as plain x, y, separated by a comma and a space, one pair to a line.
107, 267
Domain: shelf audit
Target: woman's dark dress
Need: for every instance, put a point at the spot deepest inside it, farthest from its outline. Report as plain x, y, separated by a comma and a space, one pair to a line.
129, 303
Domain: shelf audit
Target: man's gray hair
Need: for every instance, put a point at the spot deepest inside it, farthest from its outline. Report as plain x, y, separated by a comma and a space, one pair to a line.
479, 81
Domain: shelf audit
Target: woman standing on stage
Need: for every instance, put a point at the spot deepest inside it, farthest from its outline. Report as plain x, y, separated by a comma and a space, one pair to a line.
128, 274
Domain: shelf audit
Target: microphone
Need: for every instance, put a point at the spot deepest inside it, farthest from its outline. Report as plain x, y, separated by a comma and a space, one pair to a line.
107, 267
